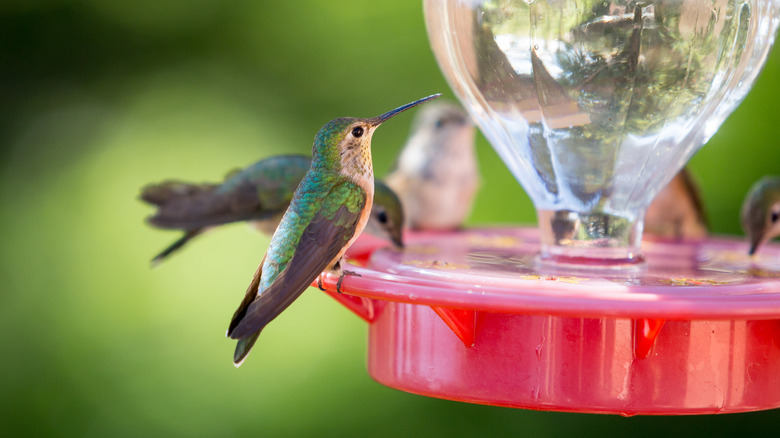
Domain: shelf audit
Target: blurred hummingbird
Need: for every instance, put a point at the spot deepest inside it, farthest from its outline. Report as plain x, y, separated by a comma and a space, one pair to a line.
328, 211
387, 215
761, 212
436, 173
677, 212
259, 193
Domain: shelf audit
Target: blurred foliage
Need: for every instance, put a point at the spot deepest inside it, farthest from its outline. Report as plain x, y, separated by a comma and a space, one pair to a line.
97, 98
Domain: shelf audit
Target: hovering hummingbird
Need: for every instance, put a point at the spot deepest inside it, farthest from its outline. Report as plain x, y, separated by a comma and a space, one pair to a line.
436, 174
761, 212
259, 193
677, 212
328, 211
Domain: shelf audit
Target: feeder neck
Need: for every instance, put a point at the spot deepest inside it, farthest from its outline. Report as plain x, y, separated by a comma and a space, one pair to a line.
592, 239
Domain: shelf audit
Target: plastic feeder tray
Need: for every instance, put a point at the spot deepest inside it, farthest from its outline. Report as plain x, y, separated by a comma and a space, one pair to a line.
469, 316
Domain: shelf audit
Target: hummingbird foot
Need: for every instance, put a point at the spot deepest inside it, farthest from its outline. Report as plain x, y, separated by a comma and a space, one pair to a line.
319, 282
344, 273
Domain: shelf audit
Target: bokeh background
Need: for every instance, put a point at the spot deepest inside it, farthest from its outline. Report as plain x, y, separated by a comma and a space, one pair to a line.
99, 97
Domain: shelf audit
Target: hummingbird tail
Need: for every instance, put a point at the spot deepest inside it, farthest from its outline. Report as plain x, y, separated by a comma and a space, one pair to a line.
175, 246
242, 349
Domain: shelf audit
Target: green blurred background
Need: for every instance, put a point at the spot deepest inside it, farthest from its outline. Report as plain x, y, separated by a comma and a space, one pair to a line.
98, 98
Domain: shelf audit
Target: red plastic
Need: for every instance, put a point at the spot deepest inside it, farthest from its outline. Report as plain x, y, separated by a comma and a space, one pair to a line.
645, 333
471, 316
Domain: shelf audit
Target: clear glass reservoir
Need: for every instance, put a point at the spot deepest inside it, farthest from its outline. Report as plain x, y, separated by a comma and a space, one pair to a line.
595, 105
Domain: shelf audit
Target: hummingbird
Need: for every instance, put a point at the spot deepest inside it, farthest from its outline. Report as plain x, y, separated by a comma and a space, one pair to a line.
677, 212
259, 194
761, 212
436, 173
387, 215
328, 211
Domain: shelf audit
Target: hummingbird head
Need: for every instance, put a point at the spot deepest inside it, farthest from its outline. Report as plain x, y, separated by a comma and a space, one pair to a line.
442, 116
344, 144
387, 214
761, 212
452, 133
440, 131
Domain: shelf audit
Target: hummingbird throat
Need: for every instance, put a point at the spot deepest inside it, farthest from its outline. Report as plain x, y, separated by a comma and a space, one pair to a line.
356, 165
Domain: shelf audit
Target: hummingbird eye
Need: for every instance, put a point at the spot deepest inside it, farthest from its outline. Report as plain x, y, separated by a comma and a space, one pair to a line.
382, 217
357, 131
775, 216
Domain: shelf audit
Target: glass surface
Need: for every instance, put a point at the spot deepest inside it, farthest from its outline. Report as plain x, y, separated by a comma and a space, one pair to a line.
595, 105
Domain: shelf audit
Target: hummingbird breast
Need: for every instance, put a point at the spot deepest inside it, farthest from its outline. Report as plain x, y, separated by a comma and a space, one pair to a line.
357, 167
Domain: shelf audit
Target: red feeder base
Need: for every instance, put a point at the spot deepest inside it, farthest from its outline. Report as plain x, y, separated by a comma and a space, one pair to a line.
469, 316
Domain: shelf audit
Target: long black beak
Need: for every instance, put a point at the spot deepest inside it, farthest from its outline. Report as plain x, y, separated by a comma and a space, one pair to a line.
398, 238
755, 242
376, 121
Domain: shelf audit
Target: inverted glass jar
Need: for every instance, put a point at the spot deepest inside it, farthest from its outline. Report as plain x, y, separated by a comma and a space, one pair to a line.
595, 105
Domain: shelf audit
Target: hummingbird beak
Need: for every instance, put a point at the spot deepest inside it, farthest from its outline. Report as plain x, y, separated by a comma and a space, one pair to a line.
755, 242
398, 239
376, 121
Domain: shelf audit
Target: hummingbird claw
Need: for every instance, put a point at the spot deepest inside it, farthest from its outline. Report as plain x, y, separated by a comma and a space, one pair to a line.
344, 273
319, 283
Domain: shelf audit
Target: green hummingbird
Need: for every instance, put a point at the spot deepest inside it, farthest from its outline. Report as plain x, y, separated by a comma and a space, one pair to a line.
259, 194
327, 213
761, 212
436, 173
387, 215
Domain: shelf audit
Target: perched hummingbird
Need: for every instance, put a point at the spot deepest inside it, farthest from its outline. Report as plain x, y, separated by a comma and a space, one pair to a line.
761, 212
677, 212
328, 211
259, 193
436, 174
387, 215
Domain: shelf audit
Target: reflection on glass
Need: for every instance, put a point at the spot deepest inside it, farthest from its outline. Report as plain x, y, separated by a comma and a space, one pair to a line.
595, 105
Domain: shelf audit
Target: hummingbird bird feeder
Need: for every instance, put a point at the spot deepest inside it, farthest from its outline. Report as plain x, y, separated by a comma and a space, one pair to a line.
594, 107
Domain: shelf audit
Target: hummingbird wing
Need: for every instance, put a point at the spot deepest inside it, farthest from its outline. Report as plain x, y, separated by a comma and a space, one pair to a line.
258, 192
245, 345
161, 193
190, 206
323, 240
